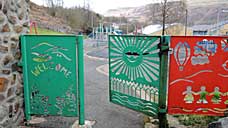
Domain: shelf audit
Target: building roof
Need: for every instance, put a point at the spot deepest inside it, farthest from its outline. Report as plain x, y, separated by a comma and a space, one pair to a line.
152, 28
209, 27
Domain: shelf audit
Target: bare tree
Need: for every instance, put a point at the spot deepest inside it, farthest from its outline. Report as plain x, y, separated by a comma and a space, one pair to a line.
78, 17
167, 12
164, 14
54, 5
87, 16
173, 12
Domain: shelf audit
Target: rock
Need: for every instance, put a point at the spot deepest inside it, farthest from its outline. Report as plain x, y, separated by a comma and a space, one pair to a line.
12, 19
19, 90
16, 107
19, 80
3, 112
7, 60
13, 79
13, 45
26, 24
4, 10
3, 49
13, 7
224, 122
6, 123
88, 124
221, 123
14, 68
6, 39
150, 125
1, 4
21, 15
6, 28
10, 92
3, 84
11, 100
17, 119
10, 111
18, 29
215, 125
15, 38
2, 97
2, 18
17, 55
6, 71
37, 120
20, 3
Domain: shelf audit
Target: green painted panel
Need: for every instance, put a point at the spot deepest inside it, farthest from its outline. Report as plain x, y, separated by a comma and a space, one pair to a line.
49, 68
134, 67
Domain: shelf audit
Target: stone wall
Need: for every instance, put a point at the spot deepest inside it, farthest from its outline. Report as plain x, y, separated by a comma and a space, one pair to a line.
14, 20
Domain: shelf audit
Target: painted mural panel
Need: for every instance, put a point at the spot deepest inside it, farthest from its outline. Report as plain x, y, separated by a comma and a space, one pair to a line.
198, 76
49, 68
134, 67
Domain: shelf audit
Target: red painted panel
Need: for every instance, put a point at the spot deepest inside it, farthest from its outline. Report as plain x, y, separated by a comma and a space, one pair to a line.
198, 77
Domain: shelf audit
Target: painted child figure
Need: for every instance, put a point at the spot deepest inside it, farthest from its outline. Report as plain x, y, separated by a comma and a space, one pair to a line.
188, 98
203, 93
216, 99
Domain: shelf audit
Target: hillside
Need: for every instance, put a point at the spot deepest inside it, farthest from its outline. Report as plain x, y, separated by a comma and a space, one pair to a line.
44, 20
192, 3
199, 12
77, 19
66, 20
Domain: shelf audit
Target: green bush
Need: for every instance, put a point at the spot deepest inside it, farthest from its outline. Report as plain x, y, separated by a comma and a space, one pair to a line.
196, 121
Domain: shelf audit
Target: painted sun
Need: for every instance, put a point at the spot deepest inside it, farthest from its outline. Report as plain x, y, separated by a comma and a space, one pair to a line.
135, 57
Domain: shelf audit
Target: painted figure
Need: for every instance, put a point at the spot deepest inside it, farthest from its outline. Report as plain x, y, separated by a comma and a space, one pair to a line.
216, 99
203, 93
225, 94
188, 98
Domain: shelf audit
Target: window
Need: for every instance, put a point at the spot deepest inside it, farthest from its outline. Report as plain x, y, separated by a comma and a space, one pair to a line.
199, 32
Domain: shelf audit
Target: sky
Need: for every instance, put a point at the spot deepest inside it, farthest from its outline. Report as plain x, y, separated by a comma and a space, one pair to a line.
101, 6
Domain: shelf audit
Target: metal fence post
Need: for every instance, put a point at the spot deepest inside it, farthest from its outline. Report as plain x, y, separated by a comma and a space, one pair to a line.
164, 48
25, 78
81, 80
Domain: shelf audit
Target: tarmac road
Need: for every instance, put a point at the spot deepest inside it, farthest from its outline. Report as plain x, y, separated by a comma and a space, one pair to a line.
97, 105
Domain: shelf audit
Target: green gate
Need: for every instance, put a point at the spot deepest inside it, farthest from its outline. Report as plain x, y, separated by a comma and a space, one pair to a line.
134, 70
51, 74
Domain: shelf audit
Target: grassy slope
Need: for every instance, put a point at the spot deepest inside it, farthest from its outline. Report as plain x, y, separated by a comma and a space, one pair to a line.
42, 31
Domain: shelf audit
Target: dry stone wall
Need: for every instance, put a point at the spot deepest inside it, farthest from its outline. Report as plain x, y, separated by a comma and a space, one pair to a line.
14, 20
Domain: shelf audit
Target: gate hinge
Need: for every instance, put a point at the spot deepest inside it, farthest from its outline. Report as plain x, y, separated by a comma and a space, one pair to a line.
164, 48
162, 110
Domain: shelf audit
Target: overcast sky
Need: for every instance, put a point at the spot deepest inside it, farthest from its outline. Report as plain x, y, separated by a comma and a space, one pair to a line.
101, 6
